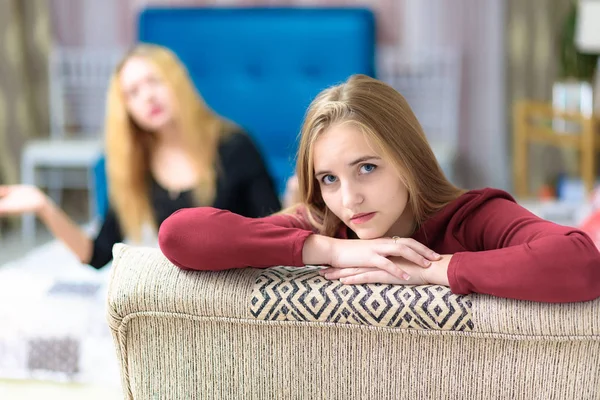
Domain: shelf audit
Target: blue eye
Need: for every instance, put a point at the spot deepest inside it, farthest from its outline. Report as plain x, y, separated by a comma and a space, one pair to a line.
328, 179
367, 168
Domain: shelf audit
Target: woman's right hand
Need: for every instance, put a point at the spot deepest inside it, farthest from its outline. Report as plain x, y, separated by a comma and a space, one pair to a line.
379, 253
20, 199
372, 253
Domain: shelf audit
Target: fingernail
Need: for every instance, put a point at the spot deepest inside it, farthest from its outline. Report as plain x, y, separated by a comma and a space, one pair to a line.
427, 263
343, 280
436, 255
405, 276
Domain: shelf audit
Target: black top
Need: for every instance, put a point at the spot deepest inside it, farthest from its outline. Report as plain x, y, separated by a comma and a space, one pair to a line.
243, 186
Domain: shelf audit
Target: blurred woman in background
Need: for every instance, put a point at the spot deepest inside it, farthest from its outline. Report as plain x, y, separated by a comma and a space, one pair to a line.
165, 150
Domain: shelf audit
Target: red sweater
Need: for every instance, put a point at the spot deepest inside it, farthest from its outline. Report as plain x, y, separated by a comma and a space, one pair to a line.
499, 247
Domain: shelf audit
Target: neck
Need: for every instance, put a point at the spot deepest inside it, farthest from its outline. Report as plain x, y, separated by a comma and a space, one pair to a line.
169, 136
405, 226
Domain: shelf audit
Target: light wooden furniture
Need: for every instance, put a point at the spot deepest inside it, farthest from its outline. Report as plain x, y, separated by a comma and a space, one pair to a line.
537, 122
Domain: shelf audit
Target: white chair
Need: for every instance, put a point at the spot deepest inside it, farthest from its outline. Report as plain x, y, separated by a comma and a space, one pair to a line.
78, 79
430, 82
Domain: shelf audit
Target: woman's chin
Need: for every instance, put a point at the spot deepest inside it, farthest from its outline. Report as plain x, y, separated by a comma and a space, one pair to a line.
156, 124
367, 234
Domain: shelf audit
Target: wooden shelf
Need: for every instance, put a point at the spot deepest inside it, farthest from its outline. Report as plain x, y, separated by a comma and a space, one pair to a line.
548, 136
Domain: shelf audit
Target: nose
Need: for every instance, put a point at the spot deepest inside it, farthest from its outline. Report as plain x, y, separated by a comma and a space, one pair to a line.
147, 94
351, 195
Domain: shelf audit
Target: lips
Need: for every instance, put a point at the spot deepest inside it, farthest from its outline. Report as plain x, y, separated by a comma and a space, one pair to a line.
362, 218
154, 111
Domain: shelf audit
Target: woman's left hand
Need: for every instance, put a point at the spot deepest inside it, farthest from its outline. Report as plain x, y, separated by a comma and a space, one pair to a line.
436, 274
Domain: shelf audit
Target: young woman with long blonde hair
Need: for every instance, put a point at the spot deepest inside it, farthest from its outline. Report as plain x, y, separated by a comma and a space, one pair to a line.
165, 150
375, 207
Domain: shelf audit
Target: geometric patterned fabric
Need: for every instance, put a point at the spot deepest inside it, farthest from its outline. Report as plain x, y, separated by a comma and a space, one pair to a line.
301, 294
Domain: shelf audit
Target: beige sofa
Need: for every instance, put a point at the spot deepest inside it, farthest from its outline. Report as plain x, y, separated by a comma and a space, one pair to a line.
286, 333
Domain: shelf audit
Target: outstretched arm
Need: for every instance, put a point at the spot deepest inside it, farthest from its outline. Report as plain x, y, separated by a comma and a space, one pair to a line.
19, 199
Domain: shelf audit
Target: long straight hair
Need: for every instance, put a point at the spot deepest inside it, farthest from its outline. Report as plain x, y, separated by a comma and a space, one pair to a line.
387, 120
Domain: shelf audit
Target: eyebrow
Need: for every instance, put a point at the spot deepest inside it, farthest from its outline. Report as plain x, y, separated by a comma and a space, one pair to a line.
351, 164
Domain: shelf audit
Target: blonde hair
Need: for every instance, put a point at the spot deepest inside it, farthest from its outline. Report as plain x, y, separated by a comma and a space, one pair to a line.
387, 120
128, 147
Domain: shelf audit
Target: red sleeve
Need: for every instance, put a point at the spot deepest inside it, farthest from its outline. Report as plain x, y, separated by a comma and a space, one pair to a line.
517, 255
207, 238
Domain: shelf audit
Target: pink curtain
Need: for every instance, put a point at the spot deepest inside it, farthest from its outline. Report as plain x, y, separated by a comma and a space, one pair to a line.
71, 29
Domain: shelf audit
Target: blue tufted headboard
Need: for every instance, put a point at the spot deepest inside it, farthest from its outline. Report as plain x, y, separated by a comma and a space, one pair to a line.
261, 67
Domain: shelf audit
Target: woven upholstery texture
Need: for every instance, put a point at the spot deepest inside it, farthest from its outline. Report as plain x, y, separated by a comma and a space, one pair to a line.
197, 335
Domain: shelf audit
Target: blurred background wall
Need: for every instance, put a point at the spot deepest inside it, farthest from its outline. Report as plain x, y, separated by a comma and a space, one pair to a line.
508, 50
475, 28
